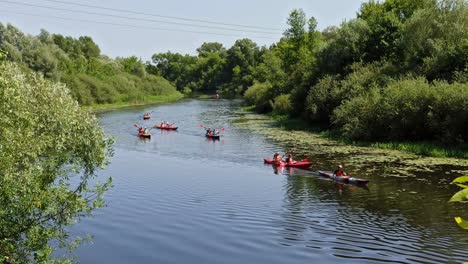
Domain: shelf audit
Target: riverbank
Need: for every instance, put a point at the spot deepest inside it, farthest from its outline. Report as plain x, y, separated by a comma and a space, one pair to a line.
424, 148
146, 101
308, 141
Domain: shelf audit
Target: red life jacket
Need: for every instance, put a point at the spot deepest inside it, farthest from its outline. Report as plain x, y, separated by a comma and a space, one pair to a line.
339, 173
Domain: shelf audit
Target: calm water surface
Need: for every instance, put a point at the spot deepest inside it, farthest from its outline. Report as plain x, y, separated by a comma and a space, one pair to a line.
181, 198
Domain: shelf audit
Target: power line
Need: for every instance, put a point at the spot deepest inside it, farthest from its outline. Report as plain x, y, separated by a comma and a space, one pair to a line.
127, 25
131, 18
162, 16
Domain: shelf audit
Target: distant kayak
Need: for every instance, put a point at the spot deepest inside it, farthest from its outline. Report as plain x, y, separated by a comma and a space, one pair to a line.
166, 127
144, 135
344, 179
213, 136
146, 117
305, 163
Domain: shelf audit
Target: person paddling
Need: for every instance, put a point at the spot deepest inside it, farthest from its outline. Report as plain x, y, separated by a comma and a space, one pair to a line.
277, 157
339, 172
289, 159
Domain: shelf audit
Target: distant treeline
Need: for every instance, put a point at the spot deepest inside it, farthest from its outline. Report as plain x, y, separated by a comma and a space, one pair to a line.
92, 78
398, 71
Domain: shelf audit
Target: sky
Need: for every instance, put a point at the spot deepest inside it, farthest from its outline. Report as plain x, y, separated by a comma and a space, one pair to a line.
143, 27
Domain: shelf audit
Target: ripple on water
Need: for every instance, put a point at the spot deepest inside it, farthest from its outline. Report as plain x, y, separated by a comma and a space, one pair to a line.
180, 198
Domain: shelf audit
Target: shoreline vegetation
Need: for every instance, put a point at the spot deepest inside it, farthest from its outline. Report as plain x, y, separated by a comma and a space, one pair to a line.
425, 149
158, 99
310, 141
397, 73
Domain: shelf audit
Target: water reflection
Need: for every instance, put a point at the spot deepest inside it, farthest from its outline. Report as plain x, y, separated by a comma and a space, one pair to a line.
184, 198
344, 220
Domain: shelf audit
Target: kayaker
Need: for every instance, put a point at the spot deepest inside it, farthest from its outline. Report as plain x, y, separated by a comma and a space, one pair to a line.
146, 131
277, 157
289, 159
140, 130
339, 172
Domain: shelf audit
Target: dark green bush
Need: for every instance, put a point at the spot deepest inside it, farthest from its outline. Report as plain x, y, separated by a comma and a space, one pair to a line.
410, 109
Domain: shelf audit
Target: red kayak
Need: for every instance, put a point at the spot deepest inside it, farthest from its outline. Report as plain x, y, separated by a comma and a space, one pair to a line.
305, 163
166, 127
212, 136
344, 179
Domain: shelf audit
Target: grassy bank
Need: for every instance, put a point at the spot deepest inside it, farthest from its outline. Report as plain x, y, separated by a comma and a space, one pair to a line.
147, 100
428, 149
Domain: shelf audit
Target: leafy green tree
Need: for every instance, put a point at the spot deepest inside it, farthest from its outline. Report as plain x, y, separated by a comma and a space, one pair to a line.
133, 65
175, 67
50, 150
209, 48
242, 58
435, 41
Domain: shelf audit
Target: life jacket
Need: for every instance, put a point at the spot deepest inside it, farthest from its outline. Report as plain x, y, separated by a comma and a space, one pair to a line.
338, 173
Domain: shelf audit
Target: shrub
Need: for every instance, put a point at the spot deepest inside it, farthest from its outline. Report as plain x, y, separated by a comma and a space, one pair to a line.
410, 109
259, 95
282, 104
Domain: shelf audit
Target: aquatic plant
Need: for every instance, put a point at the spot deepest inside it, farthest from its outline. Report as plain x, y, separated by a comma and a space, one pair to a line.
461, 196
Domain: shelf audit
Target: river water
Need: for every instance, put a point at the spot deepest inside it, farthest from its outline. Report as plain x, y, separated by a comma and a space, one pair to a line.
182, 198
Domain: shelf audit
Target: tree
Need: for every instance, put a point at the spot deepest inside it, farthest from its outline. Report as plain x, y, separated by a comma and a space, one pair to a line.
50, 150
296, 31
209, 48
242, 58
435, 41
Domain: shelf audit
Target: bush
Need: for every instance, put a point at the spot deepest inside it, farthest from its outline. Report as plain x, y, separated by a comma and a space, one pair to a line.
282, 104
259, 95
331, 91
410, 109
186, 91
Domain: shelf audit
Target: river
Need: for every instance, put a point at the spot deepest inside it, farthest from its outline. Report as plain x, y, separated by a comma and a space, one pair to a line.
182, 198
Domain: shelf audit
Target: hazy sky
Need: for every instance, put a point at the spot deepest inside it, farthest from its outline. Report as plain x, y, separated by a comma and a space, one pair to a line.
141, 38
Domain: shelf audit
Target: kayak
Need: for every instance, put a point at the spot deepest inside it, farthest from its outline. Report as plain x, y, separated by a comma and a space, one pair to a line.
166, 128
146, 117
213, 136
144, 135
343, 179
305, 163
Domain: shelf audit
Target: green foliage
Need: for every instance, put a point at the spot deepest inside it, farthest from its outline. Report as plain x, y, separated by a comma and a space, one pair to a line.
436, 40
187, 91
91, 77
461, 196
461, 223
407, 109
282, 104
259, 95
461, 181
50, 150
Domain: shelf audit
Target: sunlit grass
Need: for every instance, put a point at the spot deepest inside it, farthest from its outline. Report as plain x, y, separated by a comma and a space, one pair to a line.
145, 100
425, 149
